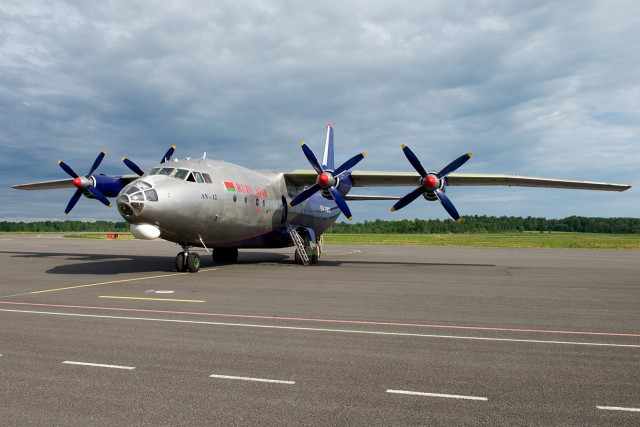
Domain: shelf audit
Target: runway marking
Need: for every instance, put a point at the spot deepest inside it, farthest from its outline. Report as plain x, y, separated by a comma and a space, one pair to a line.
338, 331
152, 299
259, 380
115, 281
618, 408
98, 365
446, 396
336, 321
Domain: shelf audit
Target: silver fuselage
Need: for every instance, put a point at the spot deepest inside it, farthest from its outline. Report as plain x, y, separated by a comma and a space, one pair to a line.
218, 204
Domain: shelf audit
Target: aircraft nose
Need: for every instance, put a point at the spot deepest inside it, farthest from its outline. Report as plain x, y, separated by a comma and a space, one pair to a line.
133, 197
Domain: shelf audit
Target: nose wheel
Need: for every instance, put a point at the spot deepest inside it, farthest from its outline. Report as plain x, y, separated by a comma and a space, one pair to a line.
188, 261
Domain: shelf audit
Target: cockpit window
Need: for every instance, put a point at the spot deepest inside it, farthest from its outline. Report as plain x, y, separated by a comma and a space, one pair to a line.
153, 171
181, 173
166, 171
207, 178
198, 176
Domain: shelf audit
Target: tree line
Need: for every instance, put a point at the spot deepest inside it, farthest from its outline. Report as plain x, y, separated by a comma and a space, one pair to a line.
471, 224
63, 226
492, 224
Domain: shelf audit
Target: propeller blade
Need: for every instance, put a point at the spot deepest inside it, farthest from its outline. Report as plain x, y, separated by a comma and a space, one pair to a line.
407, 199
73, 201
414, 161
67, 169
167, 155
304, 195
341, 203
448, 205
96, 163
349, 164
454, 165
98, 195
133, 166
311, 157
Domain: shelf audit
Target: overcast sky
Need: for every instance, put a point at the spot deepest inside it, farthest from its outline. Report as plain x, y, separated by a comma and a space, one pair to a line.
536, 88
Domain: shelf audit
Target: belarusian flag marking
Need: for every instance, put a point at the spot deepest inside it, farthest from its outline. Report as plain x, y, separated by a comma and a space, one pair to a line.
230, 186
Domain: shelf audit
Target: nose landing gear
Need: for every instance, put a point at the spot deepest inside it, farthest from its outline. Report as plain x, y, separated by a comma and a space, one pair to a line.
187, 261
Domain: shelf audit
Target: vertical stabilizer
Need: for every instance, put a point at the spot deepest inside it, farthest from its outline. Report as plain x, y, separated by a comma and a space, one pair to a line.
327, 159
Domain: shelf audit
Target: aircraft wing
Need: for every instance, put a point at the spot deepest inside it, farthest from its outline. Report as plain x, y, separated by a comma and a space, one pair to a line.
62, 183
407, 179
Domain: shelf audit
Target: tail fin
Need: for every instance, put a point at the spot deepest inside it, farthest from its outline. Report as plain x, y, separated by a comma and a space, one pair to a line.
327, 159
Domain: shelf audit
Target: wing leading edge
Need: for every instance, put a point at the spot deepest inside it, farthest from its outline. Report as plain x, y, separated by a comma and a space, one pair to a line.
407, 179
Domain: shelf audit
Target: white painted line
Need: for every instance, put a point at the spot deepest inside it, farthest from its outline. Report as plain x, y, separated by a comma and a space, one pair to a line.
258, 380
446, 396
618, 408
98, 365
338, 331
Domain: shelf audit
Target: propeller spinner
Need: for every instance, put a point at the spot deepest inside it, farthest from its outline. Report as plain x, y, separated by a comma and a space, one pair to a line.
431, 183
327, 180
84, 183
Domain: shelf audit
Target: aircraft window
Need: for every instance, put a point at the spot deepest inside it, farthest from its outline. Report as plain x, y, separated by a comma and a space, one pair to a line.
132, 189
153, 171
257, 202
263, 203
151, 195
235, 198
245, 200
207, 178
198, 176
190, 178
166, 171
142, 185
181, 173
138, 197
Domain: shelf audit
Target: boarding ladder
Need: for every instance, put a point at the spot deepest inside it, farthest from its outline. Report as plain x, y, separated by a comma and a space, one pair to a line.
297, 240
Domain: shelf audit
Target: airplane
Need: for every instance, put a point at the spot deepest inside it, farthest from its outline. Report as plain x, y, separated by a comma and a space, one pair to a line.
223, 207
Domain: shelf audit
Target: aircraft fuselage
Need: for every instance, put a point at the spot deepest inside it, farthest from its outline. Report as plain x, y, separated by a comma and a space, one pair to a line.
206, 202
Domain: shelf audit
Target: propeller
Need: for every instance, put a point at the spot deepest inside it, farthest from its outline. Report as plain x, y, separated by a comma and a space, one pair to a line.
432, 184
131, 165
327, 180
84, 183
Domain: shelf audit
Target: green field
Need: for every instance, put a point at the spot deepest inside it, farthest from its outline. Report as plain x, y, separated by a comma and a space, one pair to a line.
497, 240
487, 240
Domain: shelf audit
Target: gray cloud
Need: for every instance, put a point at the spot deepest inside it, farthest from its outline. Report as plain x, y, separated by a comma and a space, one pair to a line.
538, 88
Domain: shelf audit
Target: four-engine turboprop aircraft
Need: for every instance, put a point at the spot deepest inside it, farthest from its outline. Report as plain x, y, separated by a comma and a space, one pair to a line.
222, 206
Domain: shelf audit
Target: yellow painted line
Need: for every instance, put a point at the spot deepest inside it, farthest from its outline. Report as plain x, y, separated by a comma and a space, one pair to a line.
116, 281
152, 299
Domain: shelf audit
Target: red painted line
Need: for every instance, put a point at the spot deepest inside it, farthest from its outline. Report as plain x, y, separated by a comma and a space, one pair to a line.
337, 321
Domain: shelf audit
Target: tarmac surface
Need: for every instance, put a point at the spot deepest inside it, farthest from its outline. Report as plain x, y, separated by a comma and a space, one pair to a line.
105, 332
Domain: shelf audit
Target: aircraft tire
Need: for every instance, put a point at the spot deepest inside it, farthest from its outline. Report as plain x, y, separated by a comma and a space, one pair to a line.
180, 264
314, 259
225, 255
297, 257
193, 262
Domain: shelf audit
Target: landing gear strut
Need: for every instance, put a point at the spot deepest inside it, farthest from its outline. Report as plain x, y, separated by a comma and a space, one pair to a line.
187, 261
